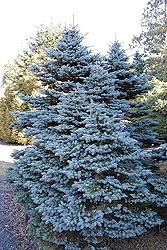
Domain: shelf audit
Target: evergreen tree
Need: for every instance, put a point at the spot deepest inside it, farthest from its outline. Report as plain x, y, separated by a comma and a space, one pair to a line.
83, 180
165, 60
46, 37
69, 62
130, 84
152, 37
156, 99
140, 64
18, 78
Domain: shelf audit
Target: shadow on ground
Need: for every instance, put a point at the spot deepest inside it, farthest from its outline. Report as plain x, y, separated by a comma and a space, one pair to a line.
3, 166
6, 236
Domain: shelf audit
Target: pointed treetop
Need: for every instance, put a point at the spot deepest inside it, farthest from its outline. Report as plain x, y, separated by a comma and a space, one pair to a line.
73, 21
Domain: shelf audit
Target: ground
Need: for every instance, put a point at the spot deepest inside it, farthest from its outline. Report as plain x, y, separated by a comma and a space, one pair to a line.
6, 236
13, 228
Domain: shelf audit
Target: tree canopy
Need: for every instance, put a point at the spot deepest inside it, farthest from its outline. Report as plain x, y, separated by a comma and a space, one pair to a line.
152, 37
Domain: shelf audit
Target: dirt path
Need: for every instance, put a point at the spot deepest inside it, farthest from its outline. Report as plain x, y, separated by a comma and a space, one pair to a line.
13, 221
6, 236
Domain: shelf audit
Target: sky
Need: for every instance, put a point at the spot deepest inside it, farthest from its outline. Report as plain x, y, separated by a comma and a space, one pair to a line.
101, 20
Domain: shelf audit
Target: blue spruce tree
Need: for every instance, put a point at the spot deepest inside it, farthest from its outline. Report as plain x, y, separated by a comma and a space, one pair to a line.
83, 180
68, 63
131, 83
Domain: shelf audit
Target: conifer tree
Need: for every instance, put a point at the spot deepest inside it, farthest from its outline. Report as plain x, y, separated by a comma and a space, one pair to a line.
156, 99
152, 37
140, 64
83, 180
130, 84
18, 78
68, 63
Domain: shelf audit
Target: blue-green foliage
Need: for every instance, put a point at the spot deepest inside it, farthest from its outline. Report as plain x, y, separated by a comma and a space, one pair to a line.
131, 83
83, 181
68, 63
128, 81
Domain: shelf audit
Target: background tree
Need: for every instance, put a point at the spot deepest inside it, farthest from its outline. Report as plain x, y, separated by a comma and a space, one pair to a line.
165, 63
139, 64
152, 37
153, 40
130, 83
18, 79
156, 99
